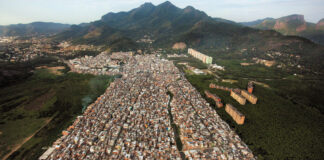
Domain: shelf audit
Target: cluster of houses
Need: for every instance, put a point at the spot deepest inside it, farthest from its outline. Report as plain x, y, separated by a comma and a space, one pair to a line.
104, 63
17, 50
132, 120
203, 133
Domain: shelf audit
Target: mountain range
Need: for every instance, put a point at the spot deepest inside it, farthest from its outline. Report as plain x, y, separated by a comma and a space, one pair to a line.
292, 25
160, 23
167, 24
35, 28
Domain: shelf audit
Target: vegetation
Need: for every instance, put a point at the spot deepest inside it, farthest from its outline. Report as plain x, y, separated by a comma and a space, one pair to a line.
286, 123
11, 73
175, 128
290, 27
167, 24
42, 98
77, 54
32, 29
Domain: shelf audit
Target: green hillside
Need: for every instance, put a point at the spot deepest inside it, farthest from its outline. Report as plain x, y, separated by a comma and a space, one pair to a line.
34, 28
167, 24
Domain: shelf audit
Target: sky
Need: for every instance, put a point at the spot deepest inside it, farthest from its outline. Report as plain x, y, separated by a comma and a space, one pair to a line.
82, 11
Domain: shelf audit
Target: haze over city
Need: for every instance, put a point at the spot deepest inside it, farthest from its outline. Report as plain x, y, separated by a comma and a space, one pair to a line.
80, 11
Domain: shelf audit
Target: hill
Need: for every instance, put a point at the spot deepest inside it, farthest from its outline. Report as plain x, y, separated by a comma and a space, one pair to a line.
166, 24
287, 121
256, 22
34, 28
292, 25
161, 22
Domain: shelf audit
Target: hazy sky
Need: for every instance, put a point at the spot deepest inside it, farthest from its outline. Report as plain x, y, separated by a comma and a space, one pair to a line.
78, 11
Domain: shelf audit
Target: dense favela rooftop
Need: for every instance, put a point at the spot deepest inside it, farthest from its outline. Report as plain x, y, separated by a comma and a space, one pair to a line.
132, 119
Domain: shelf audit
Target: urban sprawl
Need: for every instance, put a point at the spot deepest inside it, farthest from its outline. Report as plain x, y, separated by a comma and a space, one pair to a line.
145, 114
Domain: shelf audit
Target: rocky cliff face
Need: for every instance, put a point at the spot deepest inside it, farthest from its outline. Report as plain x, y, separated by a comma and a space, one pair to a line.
320, 25
301, 28
291, 23
292, 17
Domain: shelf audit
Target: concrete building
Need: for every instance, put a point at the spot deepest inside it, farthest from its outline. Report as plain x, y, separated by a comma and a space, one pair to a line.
238, 97
250, 87
235, 114
250, 97
204, 58
220, 87
217, 100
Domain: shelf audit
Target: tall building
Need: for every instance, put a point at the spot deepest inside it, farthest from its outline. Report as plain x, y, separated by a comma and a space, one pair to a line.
235, 114
238, 97
204, 58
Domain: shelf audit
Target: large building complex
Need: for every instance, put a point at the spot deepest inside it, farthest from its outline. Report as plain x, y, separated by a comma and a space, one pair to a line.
235, 114
250, 97
238, 97
204, 58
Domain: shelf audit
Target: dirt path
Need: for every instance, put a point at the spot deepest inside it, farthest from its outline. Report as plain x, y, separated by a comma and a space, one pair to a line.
17, 147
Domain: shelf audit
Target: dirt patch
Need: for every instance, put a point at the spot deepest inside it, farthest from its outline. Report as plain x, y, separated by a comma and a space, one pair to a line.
246, 64
40, 101
229, 81
180, 46
54, 70
261, 84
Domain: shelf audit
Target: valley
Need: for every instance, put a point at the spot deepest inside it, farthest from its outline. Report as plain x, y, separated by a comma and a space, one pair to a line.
162, 82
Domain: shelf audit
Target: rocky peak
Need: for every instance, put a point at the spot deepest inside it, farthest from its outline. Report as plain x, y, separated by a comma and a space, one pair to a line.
320, 24
292, 23
321, 21
297, 17
167, 4
189, 9
147, 5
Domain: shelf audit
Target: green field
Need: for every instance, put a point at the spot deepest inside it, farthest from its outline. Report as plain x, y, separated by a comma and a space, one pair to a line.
28, 105
286, 123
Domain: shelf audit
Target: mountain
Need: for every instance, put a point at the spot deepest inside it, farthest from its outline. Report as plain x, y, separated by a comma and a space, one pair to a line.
158, 22
292, 25
167, 24
32, 29
224, 20
320, 25
256, 22
295, 80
